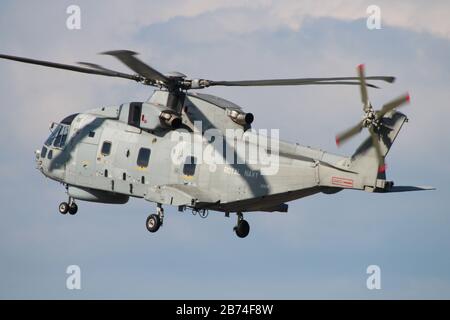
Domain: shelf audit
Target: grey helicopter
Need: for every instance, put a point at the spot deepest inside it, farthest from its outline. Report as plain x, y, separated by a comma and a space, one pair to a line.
150, 149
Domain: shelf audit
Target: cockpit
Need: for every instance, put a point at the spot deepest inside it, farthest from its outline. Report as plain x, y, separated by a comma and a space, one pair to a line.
60, 131
53, 147
58, 136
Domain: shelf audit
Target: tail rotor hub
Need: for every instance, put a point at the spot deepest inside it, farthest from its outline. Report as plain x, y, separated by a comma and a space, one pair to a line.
370, 119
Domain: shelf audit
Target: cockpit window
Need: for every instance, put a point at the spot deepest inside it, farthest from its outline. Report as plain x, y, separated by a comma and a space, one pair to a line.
50, 139
43, 152
69, 119
58, 136
57, 141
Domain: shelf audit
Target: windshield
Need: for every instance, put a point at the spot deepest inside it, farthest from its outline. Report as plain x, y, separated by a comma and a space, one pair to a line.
58, 136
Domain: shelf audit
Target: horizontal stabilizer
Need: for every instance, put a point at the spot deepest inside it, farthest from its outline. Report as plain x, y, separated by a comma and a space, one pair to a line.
407, 188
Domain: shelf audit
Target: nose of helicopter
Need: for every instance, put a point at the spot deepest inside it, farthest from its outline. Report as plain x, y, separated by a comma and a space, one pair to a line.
43, 160
39, 158
48, 158
37, 154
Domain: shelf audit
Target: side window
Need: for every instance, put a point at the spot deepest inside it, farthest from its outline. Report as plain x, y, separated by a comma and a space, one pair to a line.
106, 148
189, 166
143, 157
134, 116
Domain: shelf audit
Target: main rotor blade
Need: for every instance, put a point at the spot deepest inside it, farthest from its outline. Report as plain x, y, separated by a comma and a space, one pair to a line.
339, 83
128, 58
392, 105
287, 82
102, 72
363, 88
93, 66
344, 136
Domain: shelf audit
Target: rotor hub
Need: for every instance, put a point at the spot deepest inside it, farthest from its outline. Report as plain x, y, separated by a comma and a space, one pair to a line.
370, 118
373, 119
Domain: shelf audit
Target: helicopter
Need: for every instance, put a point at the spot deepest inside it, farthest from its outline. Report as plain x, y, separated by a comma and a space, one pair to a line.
150, 150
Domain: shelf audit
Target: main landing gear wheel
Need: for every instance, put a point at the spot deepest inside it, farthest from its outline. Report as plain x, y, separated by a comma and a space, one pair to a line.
153, 223
70, 207
63, 207
242, 228
73, 208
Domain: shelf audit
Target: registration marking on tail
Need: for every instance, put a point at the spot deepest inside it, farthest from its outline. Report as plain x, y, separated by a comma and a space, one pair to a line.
342, 182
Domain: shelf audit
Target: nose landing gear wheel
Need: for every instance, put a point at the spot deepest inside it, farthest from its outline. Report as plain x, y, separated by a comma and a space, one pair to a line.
63, 207
242, 229
153, 223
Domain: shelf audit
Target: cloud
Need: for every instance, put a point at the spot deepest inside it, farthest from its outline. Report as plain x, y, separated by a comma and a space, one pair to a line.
323, 245
414, 15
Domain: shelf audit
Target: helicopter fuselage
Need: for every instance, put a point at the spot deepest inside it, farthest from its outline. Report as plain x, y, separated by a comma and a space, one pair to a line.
107, 155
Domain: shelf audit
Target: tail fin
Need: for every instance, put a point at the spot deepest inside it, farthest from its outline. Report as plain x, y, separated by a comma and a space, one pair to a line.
365, 159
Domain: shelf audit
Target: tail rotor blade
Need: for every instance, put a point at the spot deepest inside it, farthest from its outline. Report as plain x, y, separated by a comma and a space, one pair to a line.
393, 104
344, 136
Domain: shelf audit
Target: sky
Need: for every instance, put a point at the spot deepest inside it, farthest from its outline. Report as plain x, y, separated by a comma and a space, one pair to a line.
323, 246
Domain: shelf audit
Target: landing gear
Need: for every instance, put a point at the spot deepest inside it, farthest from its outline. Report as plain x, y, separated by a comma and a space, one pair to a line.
73, 209
70, 207
242, 227
155, 221
63, 207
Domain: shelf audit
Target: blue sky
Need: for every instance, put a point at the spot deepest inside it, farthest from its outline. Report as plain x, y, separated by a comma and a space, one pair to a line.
322, 247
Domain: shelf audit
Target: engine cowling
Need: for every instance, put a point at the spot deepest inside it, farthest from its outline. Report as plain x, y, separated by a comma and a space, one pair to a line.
170, 119
241, 118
